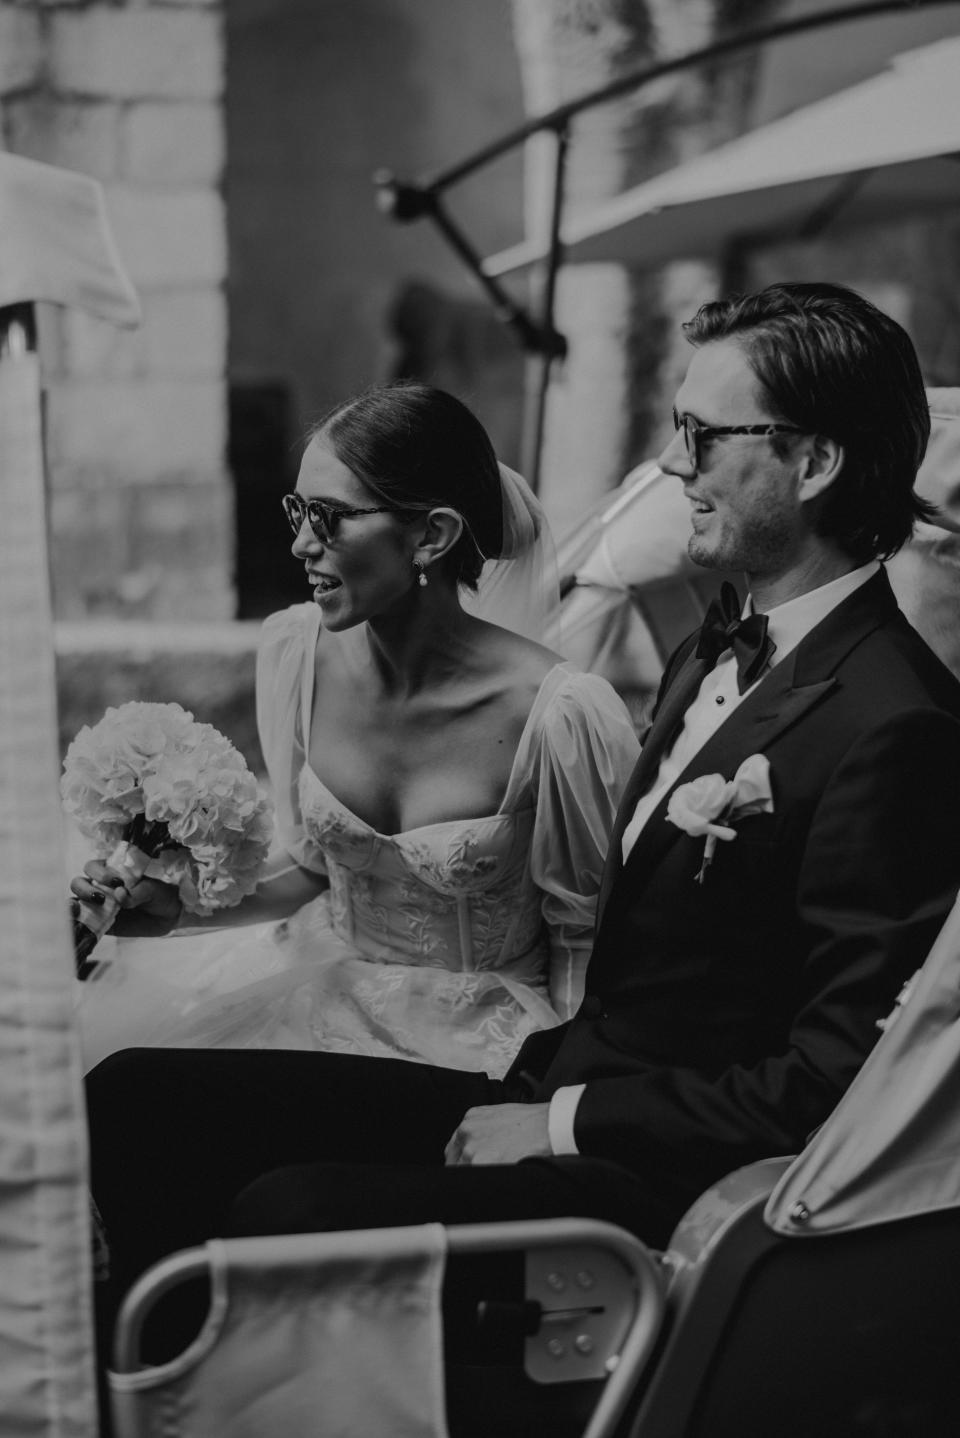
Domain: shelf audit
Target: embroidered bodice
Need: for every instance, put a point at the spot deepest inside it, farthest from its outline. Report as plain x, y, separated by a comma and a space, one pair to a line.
513, 892
457, 895
445, 944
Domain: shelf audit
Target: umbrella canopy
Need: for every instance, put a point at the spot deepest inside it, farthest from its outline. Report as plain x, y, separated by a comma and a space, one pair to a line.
56, 243
891, 1148
883, 148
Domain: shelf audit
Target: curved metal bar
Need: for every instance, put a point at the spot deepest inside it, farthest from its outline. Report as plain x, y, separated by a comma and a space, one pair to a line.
409, 200
164, 1276
636, 79
551, 345
639, 1262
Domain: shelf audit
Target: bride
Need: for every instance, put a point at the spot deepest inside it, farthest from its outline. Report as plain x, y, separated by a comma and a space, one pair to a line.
444, 785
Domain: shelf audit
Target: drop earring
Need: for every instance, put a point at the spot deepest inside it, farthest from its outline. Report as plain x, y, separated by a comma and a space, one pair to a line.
421, 573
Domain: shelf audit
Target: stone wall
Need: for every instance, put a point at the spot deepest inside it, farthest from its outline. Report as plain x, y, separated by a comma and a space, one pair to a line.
140, 500
208, 668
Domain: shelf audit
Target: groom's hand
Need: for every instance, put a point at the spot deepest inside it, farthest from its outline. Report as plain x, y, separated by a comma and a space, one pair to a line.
500, 1133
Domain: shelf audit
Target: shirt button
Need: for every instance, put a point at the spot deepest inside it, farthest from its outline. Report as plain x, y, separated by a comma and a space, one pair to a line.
592, 1006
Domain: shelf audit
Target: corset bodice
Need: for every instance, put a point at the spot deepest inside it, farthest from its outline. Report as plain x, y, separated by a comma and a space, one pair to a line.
455, 895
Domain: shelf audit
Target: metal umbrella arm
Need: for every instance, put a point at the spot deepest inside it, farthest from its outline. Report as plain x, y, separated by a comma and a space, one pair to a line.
416, 199
406, 200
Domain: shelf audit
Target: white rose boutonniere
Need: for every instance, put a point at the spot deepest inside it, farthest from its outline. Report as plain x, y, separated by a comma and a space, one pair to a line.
711, 804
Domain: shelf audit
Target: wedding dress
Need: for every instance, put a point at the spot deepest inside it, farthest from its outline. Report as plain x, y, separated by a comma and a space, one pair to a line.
446, 944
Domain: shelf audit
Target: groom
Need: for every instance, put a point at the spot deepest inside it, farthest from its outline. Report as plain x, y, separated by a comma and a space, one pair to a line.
737, 980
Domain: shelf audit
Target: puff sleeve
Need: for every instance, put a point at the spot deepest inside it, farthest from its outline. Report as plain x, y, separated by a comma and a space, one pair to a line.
588, 748
286, 645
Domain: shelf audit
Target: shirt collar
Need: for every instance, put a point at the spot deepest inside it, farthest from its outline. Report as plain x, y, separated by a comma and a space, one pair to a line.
792, 621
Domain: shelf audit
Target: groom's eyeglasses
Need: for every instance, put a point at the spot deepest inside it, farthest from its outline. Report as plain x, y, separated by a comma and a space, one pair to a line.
322, 517
694, 433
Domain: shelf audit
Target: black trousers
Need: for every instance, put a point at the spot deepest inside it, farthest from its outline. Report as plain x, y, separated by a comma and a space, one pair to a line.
189, 1144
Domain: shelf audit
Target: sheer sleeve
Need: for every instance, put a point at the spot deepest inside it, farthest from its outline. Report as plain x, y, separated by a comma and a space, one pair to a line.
587, 751
286, 646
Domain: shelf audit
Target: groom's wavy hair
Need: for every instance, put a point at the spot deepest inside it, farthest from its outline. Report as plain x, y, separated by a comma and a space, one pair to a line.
830, 363
416, 447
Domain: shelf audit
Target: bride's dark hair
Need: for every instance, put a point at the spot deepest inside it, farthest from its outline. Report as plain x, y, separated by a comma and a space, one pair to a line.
416, 447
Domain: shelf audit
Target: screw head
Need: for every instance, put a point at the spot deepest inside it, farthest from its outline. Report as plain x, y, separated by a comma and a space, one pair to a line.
585, 1278
556, 1281
583, 1343
555, 1348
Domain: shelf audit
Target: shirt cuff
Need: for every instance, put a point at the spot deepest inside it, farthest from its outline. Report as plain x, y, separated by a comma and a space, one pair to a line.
562, 1111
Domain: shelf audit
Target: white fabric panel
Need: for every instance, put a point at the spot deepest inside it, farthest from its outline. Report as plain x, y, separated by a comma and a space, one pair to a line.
46, 1363
56, 243
891, 1148
336, 1334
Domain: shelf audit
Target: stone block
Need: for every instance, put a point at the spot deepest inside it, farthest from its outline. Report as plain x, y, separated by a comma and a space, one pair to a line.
208, 668
168, 53
173, 142
91, 348
158, 552
170, 237
21, 48
183, 334
79, 135
137, 430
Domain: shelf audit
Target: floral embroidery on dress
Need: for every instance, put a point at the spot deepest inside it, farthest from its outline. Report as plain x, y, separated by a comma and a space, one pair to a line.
430, 943
460, 868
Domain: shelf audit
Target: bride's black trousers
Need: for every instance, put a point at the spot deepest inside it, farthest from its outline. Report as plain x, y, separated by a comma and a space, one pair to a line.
189, 1144
176, 1134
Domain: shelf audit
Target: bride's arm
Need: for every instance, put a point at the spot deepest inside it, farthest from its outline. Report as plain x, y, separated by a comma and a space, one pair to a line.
152, 908
588, 750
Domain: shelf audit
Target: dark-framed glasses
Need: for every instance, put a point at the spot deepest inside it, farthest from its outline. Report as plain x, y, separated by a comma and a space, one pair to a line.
694, 432
323, 517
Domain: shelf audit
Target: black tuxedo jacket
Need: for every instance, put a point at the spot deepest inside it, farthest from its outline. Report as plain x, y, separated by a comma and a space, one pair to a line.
723, 1020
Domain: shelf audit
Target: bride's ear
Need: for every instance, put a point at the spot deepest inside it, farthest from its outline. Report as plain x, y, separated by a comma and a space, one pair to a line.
441, 530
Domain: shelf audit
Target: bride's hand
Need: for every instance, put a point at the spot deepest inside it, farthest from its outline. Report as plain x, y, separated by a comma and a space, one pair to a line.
149, 908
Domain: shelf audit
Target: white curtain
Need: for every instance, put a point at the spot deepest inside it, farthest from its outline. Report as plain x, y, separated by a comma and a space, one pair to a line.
46, 1359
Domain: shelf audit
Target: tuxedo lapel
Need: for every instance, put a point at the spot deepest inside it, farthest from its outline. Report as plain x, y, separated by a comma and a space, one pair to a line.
669, 717
780, 700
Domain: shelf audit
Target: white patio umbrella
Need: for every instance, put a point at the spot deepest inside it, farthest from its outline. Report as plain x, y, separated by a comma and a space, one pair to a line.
883, 148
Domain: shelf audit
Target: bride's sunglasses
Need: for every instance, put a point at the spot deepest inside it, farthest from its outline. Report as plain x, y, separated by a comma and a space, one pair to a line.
322, 517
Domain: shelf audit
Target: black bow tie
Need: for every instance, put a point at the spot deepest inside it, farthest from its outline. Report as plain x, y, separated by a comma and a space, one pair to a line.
724, 629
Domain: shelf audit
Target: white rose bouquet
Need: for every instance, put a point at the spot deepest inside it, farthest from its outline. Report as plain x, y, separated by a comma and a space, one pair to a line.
164, 796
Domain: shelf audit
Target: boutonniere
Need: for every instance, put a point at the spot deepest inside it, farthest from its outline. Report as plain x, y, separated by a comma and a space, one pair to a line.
711, 805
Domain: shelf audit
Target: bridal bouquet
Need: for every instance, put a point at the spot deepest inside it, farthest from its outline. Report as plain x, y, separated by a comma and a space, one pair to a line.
163, 795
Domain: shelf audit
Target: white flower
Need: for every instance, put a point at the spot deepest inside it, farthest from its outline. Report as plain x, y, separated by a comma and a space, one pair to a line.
694, 806
711, 804
152, 775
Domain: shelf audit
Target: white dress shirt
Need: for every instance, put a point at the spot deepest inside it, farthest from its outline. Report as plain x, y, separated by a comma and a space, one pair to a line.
716, 700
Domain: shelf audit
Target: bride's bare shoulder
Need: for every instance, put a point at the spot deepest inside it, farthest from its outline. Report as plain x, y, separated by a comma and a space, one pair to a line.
521, 657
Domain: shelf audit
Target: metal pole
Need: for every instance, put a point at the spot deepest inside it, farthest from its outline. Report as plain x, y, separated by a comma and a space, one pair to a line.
536, 417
